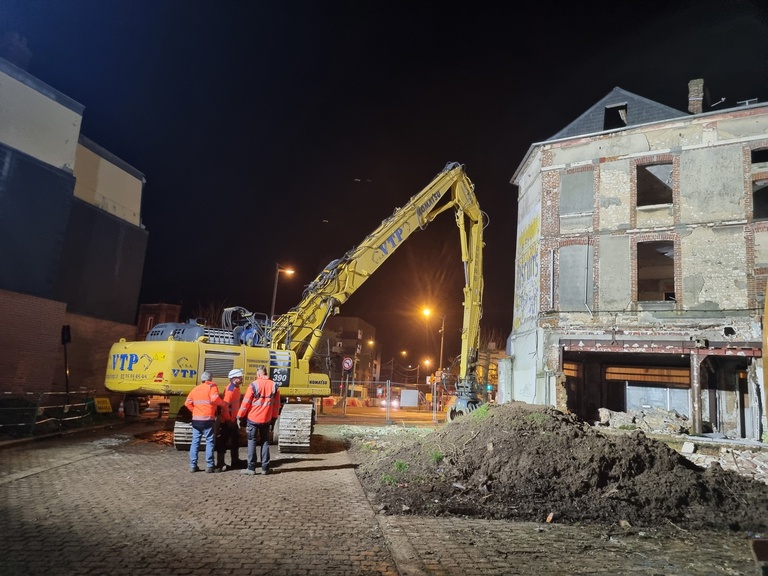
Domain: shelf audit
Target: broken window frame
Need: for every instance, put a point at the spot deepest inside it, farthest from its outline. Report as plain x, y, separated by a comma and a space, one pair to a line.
616, 117
759, 171
654, 188
650, 254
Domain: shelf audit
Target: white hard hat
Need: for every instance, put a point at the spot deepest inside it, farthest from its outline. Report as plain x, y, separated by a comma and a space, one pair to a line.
235, 373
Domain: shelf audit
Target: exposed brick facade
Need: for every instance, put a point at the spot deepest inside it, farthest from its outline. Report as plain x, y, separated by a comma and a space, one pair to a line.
32, 354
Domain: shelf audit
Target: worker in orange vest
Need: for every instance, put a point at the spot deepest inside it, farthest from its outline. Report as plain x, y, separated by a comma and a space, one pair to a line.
229, 435
203, 401
258, 411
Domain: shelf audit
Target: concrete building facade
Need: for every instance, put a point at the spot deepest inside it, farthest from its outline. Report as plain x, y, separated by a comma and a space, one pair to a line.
642, 258
72, 246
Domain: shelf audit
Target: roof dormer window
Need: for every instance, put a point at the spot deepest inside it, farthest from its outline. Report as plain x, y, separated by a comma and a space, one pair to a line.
615, 117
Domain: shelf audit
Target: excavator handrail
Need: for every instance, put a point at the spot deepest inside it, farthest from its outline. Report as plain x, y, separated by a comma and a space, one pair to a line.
301, 327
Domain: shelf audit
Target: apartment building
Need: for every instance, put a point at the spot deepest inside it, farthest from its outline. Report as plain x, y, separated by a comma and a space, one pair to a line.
355, 339
642, 258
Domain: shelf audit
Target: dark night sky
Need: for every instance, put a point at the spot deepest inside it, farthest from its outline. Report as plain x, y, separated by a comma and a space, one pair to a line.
286, 131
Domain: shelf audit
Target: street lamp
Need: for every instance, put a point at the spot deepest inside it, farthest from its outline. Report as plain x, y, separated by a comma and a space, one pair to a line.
278, 269
427, 312
372, 364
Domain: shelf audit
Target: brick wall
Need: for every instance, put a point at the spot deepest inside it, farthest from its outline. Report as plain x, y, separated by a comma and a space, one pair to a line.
30, 340
88, 352
31, 352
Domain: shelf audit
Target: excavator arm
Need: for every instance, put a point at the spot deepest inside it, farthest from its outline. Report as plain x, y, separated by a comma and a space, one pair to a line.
300, 328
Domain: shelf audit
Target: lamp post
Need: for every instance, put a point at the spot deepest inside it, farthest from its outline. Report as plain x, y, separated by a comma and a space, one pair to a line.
428, 312
371, 373
442, 340
278, 269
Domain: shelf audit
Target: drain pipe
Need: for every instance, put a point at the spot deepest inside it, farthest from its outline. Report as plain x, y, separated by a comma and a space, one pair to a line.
587, 272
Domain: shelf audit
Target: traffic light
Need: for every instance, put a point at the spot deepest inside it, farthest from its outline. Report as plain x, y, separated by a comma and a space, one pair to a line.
489, 387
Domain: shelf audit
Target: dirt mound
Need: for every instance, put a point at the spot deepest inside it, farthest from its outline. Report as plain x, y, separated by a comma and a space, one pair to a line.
533, 463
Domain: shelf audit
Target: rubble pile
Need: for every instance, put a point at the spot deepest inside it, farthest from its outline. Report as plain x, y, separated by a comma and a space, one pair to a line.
653, 420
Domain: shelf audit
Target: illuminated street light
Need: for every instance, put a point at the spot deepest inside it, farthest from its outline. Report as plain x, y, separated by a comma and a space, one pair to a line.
428, 312
370, 375
278, 269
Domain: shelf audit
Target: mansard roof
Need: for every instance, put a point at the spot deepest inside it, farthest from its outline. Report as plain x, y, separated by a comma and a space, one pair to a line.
636, 110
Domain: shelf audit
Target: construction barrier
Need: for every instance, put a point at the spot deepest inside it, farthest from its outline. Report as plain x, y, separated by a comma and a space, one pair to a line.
31, 413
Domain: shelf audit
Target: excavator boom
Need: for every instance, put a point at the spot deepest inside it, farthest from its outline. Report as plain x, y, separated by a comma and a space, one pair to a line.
301, 327
174, 354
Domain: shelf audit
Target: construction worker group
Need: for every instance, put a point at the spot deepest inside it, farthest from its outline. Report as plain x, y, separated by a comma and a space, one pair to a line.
215, 419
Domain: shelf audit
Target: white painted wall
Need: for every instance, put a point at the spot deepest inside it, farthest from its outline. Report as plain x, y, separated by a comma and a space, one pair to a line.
36, 124
101, 183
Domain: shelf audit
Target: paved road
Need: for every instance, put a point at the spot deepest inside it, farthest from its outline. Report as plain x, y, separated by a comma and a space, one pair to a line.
106, 502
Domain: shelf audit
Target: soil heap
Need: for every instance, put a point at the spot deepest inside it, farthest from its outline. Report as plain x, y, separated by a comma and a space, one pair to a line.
531, 463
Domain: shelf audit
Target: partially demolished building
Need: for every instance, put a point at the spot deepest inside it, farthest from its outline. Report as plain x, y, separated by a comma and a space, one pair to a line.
642, 258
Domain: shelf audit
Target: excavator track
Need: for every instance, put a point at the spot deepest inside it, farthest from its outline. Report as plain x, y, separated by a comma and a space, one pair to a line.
182, 436
294, 427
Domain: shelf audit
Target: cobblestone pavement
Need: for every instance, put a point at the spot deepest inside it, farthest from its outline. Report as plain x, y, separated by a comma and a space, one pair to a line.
104, 502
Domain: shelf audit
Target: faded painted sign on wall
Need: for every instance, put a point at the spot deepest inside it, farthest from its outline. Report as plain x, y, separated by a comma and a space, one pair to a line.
527, 270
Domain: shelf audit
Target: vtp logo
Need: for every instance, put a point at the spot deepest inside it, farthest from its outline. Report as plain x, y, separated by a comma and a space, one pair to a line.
134, 362
124, 362
392, 242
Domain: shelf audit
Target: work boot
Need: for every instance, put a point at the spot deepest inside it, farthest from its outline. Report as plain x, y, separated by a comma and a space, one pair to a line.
249, 472
210, 470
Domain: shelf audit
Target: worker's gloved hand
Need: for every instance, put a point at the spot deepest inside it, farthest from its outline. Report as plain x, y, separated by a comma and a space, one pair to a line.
272, 423
243, 422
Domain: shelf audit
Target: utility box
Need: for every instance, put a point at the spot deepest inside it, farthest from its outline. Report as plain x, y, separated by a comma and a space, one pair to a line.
409, 399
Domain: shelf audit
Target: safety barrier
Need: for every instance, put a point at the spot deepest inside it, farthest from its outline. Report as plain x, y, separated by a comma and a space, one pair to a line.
31, 414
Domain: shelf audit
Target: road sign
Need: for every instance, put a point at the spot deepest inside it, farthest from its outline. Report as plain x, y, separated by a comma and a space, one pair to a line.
347, 363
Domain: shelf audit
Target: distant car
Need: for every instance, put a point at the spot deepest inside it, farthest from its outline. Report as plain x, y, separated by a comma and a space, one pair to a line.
393, 403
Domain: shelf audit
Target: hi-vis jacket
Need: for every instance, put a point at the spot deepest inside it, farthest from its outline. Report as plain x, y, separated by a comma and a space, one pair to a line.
261, 402
232, 399
203, 401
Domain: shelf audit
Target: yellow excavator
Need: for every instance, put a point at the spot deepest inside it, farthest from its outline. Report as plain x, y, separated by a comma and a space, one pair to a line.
173, 356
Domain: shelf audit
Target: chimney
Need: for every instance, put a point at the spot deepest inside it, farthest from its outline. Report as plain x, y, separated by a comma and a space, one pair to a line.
696, 96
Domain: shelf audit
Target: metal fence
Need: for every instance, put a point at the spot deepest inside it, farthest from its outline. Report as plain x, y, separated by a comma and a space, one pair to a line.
31, 414
380, 393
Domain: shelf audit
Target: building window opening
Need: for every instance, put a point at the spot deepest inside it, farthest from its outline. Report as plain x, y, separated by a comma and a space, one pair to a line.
615, 117
655, 271
760, 199
654, 184
759, 157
